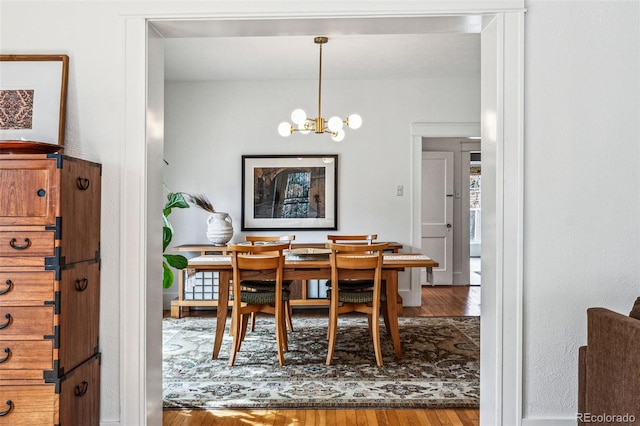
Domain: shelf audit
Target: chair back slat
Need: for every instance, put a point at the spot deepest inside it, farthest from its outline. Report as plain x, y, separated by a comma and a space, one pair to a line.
368, 238
357, 256
255, 258
253, 239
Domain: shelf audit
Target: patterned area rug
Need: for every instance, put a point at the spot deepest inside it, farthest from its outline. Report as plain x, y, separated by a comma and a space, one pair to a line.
440, 367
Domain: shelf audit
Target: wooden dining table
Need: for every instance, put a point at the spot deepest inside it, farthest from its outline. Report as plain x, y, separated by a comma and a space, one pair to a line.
313, 269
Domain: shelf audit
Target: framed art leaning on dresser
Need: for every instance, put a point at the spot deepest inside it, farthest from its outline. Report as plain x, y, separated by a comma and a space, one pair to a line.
33, 97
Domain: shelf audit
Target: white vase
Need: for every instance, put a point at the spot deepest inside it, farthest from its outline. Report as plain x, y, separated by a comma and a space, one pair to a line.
220, 228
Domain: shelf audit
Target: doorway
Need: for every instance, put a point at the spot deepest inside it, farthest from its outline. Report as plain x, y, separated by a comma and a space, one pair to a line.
445, 214
502, 117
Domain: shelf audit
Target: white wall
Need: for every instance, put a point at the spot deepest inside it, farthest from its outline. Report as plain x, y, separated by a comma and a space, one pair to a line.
210, 125
90, 35
582, 233
582, 202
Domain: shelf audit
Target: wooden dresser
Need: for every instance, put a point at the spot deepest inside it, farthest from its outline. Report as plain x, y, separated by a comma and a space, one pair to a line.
49, 290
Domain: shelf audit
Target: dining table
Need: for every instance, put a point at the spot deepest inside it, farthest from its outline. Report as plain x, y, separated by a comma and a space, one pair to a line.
312, 265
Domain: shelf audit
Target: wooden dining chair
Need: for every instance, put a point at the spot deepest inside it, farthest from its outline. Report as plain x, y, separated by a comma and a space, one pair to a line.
367, 239
346, 258
253, 261
267, 285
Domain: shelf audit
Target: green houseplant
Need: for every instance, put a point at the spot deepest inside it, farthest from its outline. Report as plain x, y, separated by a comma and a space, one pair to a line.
177, 200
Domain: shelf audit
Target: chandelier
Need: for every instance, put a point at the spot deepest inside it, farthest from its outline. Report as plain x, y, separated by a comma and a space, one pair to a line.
333, 126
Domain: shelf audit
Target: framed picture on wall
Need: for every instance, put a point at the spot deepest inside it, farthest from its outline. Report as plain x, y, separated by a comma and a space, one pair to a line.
289, 192
33, 96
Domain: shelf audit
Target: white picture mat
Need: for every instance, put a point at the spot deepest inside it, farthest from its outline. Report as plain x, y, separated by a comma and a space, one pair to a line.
45, 78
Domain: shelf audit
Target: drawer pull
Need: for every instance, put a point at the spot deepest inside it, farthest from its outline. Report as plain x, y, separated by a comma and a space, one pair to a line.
8, 289
10, 404
27, 243
83, 183
81, 389
6, 358
41, 192
6, 324
81, 284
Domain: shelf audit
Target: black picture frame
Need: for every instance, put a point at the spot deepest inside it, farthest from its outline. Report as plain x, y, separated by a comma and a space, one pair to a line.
289, 192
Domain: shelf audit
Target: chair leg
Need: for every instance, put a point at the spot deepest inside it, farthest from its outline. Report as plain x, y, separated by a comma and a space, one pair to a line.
253, 321
243, 331
375, 319
237, 340
385, 316
281, 336
288, 314
332, 332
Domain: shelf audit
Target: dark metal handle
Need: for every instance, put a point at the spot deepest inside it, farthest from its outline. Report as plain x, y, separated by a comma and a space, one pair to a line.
8, 289
81, 389
83, 183
27, 243
10, 404
6, 358
41, 192
81, 284
6, 324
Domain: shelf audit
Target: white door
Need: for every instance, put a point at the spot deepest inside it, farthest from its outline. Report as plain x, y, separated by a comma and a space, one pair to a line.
437, 214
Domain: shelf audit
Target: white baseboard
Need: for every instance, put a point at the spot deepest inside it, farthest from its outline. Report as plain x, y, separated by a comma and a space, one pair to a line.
550, 421
110, 423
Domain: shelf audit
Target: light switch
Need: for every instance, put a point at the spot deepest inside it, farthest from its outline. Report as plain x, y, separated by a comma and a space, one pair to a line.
400, 191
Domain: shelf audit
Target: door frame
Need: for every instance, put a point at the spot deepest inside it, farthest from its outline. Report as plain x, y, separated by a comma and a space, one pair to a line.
502, 128
419, 131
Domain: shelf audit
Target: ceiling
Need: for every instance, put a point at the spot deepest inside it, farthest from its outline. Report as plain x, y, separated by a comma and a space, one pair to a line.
402, 48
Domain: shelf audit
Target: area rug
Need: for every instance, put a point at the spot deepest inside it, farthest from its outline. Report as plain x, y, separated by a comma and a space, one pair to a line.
440, 367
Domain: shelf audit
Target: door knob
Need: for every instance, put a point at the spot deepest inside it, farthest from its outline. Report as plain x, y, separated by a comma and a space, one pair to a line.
448, 225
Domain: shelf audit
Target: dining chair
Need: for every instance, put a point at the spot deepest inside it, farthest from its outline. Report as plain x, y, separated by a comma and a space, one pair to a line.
346, 258
351, 284
267, 285
263, 260
367, 239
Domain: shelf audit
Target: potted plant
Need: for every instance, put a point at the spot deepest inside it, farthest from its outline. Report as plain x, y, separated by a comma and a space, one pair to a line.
177, 261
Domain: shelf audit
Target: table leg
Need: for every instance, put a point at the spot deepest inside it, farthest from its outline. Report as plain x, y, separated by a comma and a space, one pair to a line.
223, 304
392, 299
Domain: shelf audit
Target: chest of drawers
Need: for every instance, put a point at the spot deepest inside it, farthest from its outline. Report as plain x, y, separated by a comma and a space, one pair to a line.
49, 290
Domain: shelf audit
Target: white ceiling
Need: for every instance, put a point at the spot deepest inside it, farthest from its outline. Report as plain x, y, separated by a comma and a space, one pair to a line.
403, 48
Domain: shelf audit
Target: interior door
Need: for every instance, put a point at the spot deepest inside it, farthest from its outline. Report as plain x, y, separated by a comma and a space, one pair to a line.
437, 215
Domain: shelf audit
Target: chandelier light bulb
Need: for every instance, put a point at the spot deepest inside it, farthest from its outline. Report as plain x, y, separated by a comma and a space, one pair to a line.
338, 136
354, 121
334, 124
303, 129
284, 129
298, 116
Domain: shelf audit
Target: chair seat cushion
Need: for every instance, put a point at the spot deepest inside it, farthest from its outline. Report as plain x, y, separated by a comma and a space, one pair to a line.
345, 296
261, 297
264, 285
352, 284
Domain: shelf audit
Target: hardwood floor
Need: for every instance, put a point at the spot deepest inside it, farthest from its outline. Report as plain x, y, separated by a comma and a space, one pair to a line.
436, 301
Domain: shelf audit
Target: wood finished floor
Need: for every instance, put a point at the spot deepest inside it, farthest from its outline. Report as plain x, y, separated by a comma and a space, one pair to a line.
436, 301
